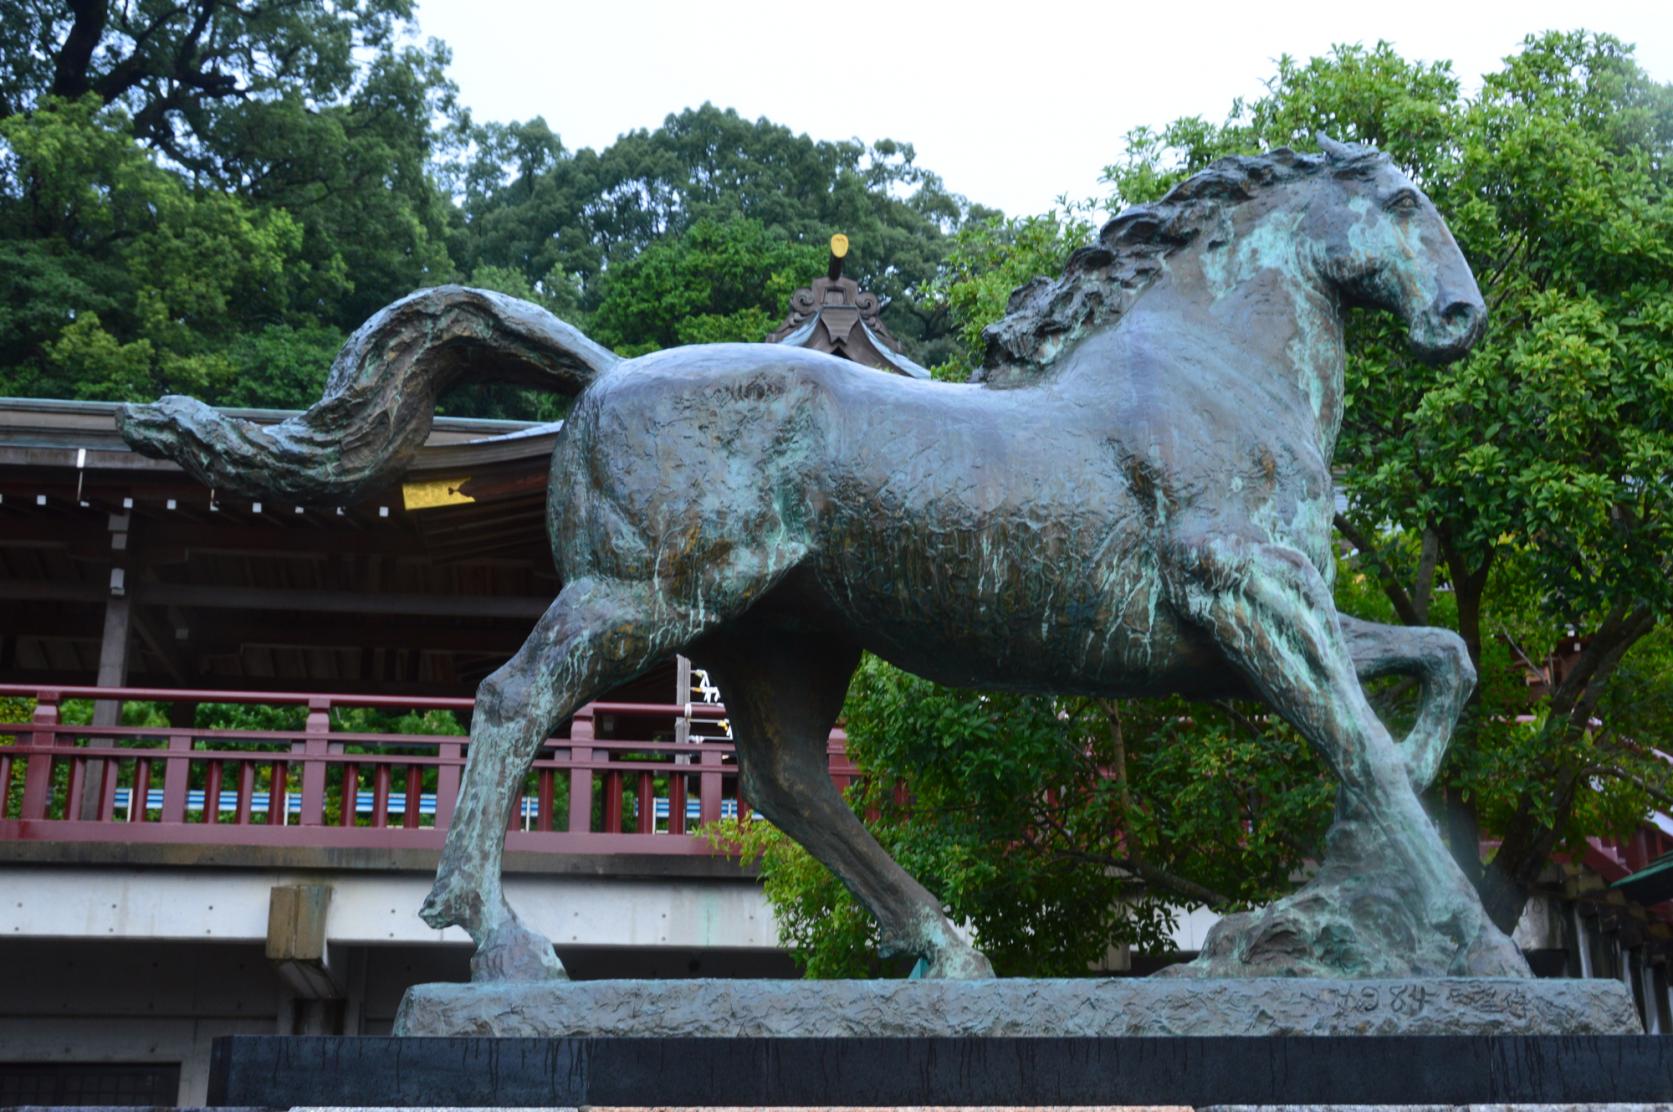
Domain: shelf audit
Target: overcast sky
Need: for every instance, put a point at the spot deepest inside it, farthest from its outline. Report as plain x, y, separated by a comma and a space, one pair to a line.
1012, 104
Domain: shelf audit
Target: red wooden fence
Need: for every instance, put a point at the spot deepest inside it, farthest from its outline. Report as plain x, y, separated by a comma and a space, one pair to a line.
320, 787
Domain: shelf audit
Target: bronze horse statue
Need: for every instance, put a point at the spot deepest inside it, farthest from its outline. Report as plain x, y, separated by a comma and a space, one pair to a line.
1135, 499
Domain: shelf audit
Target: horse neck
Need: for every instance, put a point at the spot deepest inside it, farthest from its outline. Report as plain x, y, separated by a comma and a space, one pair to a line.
1256, 305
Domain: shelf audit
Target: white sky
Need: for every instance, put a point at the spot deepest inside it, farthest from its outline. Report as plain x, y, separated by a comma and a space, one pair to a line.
1012, 104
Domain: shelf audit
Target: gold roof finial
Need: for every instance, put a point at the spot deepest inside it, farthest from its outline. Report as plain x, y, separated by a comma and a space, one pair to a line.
839, 251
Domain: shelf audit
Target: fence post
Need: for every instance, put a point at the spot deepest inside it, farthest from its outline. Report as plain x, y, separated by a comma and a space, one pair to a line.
581, 779
37, 784
447, 782
314, 751
175, 774
708, 783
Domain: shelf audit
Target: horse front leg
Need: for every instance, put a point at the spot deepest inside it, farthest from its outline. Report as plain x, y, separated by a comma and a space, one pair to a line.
1388, 899
1440, 662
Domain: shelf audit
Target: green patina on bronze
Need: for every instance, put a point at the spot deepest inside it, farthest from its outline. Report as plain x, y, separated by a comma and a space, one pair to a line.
1135, 500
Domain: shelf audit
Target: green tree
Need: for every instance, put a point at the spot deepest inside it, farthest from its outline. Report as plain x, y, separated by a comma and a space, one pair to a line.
290, 133
127, 281
564, 218
1054, 828
990, 259
1531, 483
188, 70
716, 282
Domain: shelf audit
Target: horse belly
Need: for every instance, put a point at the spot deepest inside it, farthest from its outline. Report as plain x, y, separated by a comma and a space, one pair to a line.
1022, 614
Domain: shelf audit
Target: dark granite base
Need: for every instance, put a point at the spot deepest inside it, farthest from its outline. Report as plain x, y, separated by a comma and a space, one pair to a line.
283, 1072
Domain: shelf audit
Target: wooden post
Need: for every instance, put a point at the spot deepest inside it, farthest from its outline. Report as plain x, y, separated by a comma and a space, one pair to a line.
709, 785
113, 664
682, 698
176, 771
296, 940
580, 779
447, 782
314, 751
113, 648
37, 784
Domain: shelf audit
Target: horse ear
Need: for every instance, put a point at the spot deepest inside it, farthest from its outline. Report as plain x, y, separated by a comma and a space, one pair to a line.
1338, 152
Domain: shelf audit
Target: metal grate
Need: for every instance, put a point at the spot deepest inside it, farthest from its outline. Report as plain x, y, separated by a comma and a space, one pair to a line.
89, 1083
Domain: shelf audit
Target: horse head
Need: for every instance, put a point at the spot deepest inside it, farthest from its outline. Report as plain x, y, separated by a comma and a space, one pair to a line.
1387, 247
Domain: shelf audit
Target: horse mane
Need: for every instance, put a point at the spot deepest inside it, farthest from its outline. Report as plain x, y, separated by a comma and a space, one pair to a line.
1101, 281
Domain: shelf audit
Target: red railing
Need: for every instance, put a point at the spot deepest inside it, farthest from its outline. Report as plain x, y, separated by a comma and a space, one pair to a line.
323, 787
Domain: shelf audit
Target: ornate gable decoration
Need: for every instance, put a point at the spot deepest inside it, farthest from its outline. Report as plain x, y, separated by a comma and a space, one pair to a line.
834, 315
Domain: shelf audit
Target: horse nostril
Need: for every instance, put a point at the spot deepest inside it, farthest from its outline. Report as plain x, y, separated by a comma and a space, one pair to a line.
1460, 313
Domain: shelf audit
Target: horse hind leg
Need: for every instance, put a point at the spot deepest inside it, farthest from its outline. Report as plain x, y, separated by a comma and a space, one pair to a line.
596, 634
1441, 664
783, 692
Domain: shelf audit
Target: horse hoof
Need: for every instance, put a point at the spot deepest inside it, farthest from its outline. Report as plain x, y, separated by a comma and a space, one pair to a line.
442, 907
963, 964
1491, 954
513, 952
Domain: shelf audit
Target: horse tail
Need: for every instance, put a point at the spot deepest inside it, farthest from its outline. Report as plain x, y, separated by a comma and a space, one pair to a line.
379, 400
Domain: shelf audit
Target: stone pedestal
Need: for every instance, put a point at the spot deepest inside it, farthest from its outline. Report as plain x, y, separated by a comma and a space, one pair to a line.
287, 1071
1078, 1008
1196, 1043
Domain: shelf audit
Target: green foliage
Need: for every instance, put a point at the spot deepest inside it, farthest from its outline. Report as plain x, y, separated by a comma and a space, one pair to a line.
716, 282
13, 709
192, 72
282, 366
221, 238
564, 219
1357, 95
1053, 828
319, 110
178, 271
200, 197
989, 259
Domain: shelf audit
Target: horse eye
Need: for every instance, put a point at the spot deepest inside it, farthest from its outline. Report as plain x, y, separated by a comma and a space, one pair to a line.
1403, 201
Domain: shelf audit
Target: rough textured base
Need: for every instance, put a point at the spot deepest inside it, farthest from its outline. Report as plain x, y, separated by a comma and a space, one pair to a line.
1360, 915
1084, 1007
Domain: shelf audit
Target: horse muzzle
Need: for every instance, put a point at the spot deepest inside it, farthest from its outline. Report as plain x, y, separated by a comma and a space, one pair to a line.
1449, 328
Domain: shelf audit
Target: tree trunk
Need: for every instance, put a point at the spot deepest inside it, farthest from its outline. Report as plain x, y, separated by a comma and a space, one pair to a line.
1522, 855
1528, 843
69, 78
1462, 830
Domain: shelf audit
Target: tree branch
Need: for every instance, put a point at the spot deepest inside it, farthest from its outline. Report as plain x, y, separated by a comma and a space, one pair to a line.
1171, 882
1425, 585
1583, 686
69, 79
1517, 651
130, 71
1661, 796
1159, 877
1403, 605
1467, 587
